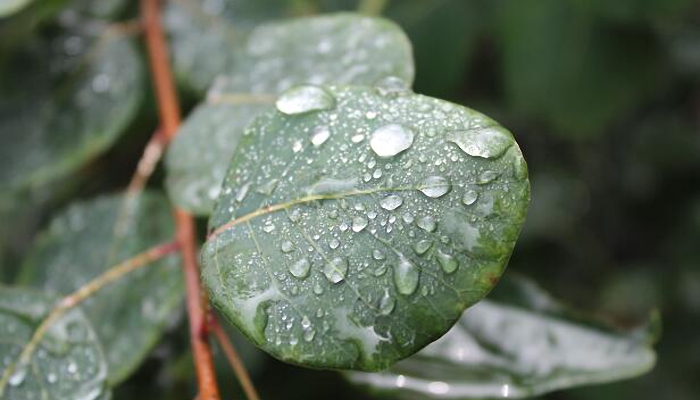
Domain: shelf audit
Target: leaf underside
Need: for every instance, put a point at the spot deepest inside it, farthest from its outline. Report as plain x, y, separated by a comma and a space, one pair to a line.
328, 255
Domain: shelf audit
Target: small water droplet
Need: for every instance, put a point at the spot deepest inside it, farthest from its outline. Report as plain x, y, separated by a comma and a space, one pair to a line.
242, 192
448, 263
334, 243
268, 228
381, 270
268, 187
297, 146
427, 223
357, 138
390, 140
386, 303
287, 246
488, 142
470, 197
320, 135
422, 246
435, 186
377, 254
72, 367
300, 269
370, 115
358, 224
486, 177
305, 322
391, 202
406, 276
303, 99
318, 289
391, 85
309, 334
336, 269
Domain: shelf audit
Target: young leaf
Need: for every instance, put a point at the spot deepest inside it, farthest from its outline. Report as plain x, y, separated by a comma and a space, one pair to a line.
518, 342
67, 103
129, 315
356, 223
338, 48
68, 362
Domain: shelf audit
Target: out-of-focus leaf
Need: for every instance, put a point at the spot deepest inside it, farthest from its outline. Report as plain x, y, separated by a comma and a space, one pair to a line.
563, 65
636, 10
67, 102
339, 48
518, 342
357, 223
9, 7
67, 364
129, 315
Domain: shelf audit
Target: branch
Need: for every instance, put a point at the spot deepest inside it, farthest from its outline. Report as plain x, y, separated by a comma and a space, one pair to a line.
234, 360
169, 110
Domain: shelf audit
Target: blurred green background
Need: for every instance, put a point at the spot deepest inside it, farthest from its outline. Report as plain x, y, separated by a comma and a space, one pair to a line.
604, 99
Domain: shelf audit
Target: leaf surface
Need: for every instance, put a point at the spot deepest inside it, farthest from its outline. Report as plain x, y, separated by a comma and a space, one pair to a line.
518, 342
67, 364
355, 227
82, 242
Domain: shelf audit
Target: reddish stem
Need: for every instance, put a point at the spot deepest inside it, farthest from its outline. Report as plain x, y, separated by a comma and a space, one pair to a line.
169, 109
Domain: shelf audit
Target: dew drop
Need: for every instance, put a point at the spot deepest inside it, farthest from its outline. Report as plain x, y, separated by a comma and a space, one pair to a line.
386, 303
391, 85
268, 187
486, 177
377, 254
390, 140
300, 269
318, 289
320, 135
287, 246
309, 334
381, 270
488, 142
448, 263
358, 224
336, 269
435, 186
406, 276
470, 197
268, 228
334, 243
242, 192
305, 322
422, 246
391, 202
303, 99
427, 223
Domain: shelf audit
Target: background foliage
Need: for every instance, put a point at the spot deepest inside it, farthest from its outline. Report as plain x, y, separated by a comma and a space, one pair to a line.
603, 98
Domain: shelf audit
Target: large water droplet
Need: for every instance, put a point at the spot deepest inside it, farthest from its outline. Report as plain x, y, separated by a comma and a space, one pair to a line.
422, 246
390, 140
448, 263
320, 135
435, 186
386, 303
391, 202
327, 185
406, 276
336, 269
488, 142
391, 85
287, 246
303, 99
470, 197
300, 268
358, 224
427, 223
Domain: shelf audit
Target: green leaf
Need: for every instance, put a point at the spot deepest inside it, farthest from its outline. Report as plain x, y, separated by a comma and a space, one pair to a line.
68, 102
519, 342
356, 224
9, 7
68, 362
337, 48
82, 242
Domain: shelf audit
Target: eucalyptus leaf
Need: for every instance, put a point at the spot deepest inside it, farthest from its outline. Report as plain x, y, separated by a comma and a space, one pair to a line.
519, 342
82, 242
69, 101
354, 235
337, 48
68, 362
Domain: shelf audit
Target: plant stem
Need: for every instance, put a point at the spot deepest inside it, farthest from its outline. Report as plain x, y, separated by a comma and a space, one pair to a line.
84, 292
144, 169
234, 360
372, 7
169, 109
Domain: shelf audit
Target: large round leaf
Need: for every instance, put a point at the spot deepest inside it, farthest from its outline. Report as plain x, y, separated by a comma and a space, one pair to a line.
81, 243
69, 101
519, 342
337, 48
67, 364
356, 224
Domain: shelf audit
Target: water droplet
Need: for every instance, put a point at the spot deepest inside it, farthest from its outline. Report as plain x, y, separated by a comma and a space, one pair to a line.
371, 115
336, 269
18, 376
488, 142
334, 243
381, 270
435, 186
386, 303
427, 223
51, 377
309, 334
391, 85
486, 177
448, 263
422, 246
406, 276
305, 322
470, 197
287, 246
300, 268
320, 135
318, 289
377, 254
268, 187
242, 192
390, 140
327, 185
391, 202
72, 368
268, 228
303, 99
101, 83
297, 146
358, 224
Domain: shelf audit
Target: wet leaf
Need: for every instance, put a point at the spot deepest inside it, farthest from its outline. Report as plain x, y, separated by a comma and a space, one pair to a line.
82, 242
67, 364
342, 238
337, 48
518, 342
68, 102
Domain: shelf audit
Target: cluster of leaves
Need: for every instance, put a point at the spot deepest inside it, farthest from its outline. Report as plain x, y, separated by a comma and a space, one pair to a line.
387, 239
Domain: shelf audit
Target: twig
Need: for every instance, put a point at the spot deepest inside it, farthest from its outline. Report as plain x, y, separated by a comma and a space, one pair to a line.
84, 292
234, 360
169, 109
147, 164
